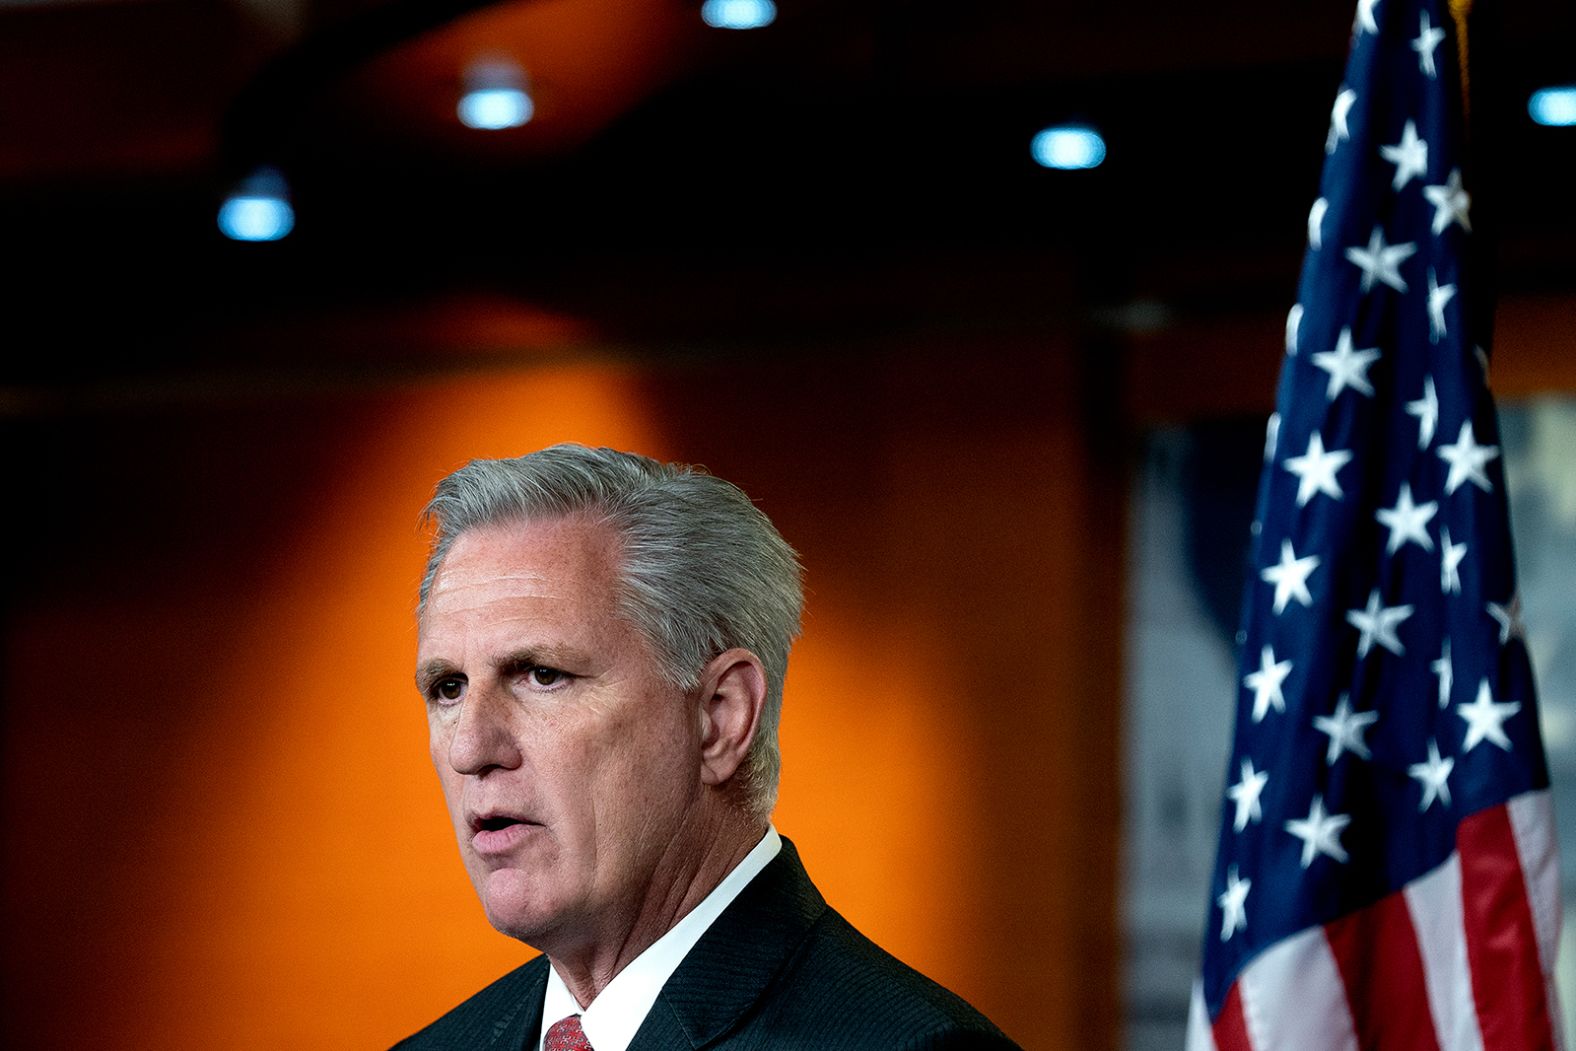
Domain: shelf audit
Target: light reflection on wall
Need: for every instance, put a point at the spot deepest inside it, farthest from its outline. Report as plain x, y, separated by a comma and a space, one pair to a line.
321, 824
867, 782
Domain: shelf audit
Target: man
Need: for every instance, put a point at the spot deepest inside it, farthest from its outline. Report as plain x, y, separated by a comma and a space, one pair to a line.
602, 645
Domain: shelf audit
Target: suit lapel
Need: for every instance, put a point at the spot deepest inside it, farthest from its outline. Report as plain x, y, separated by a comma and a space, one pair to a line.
519, 1026
735, 960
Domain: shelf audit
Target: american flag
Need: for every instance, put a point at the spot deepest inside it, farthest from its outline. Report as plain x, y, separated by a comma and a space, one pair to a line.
1387, 874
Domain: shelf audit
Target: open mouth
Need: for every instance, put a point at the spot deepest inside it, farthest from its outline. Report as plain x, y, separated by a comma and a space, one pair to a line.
498, 834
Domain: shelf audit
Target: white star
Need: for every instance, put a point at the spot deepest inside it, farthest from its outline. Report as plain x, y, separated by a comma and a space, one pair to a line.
1428, 38
1347, 367
1345, 729
1410, 156
1431, 774
1378, 623
1381, 262
1266, 684
1467, 459
1366, 23
1316, 223
1407, 521
1233, 914
1486, 719
1509, 618
1320, 833
1245, 794
1340, 131
1438, 296
1451, 203
1426, 409
1271, 436
1290, 577
1447, 674
1450, 563
1293, 327
1315, 470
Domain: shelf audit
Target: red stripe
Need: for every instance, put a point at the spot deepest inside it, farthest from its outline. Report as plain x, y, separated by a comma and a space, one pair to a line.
1231, 1028
1502, 946
1376, 951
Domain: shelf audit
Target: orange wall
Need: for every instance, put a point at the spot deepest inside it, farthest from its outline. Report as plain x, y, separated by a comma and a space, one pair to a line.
220, 825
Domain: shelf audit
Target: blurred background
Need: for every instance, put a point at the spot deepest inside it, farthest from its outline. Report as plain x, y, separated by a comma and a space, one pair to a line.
983, 304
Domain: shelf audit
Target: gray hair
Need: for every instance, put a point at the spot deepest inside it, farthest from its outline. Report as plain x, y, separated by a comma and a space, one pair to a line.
703, 570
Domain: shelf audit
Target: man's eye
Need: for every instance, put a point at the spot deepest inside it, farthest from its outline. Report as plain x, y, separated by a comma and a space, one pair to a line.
545, 676
449, 689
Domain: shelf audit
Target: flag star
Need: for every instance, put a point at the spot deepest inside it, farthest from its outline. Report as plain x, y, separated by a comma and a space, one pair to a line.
1315, 470
1290, 577
1320, 833
1345, 729
1266, 684
1431, 774
1438, 296
1378, 623
1429, 38
1467, 459
1486, 719
1407, 521
1381, 262
1451, 203
1366, 23
1271, 436
1509, 618
1316, 223
1245, 794
1340, 130
1426, 409
1293, 327
1347, 367
1447, 674
1233, 913
1410, 156
1450, 563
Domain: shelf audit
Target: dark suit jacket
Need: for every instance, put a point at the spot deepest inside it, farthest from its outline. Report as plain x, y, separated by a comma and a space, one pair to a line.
778, 969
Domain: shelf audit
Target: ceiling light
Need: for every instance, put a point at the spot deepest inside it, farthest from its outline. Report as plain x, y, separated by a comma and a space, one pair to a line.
1554, 107
493, 109
258, 210
1068, 147
495, 96
738, 14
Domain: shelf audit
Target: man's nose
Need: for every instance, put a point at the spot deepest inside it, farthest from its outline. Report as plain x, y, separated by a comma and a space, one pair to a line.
483, 737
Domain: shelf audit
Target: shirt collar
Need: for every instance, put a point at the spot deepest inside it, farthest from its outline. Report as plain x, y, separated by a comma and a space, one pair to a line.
612, 1019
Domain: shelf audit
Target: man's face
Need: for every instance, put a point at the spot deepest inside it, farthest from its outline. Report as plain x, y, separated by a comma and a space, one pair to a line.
570, 767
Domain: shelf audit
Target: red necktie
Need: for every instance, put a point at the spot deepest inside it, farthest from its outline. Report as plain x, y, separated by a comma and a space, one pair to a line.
566, 1035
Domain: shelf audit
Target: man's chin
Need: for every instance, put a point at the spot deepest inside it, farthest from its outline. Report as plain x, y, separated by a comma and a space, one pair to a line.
513, 904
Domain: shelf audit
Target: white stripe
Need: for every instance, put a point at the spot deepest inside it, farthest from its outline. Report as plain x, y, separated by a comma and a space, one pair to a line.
1532, 822
1293, 999
1434, 901
1200, 1037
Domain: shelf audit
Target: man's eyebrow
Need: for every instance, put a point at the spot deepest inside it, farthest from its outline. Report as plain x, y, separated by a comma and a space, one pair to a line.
430, 672
566, 658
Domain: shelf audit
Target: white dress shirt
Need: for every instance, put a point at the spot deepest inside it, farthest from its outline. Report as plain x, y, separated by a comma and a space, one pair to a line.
611, 1020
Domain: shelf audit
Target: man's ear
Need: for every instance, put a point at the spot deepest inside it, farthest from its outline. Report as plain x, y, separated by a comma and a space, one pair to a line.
733, 694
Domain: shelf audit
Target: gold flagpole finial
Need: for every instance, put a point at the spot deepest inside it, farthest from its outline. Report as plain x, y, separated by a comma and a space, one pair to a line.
1460, 12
